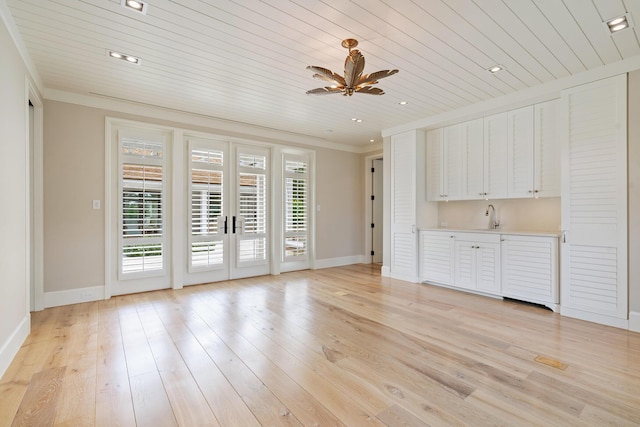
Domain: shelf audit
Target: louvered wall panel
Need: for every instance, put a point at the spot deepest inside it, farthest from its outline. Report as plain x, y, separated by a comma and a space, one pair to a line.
593, 158
404, 240
594, 202
403, 186
594, 278
403, 251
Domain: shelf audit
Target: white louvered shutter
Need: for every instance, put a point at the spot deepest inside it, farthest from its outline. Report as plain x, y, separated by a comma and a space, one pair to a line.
594, 202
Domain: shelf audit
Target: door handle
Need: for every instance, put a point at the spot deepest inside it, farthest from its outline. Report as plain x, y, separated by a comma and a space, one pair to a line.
233, 224
226, 225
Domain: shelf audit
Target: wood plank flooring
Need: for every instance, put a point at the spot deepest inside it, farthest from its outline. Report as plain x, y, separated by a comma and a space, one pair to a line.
332, 347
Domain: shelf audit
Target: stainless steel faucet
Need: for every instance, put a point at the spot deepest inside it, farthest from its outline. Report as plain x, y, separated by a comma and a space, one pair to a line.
493, 222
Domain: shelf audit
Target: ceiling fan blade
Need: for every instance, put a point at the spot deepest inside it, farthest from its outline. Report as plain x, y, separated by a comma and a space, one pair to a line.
324, 91
353, 67
369, 79
370, 90
326, 74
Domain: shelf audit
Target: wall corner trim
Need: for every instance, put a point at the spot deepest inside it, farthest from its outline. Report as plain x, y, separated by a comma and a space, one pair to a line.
10, 348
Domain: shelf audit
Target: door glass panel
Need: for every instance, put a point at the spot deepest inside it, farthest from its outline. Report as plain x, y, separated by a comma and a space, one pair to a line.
252, 208
207, 207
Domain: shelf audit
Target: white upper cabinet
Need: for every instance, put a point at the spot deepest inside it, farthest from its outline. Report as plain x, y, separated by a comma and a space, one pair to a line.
495, 156
546, 150
520, 152
435, 166
452, 160
515, 154
473, 160
444, 163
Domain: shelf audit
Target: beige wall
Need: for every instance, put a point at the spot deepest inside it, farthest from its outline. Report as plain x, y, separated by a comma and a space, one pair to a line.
14, 315
541, 214
634, 191
74, 176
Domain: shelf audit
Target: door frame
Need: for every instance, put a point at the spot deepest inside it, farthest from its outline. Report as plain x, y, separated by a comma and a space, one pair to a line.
368, 210
34, 148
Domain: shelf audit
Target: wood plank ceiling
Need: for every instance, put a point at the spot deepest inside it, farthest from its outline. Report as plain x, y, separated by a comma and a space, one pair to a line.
244, 60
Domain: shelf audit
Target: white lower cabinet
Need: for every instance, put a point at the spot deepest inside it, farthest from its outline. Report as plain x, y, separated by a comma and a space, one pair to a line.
518, 266
530, 269
477, 262
436, 256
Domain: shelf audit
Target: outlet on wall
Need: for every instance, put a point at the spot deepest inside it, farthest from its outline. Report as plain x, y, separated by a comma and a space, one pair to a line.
86, 295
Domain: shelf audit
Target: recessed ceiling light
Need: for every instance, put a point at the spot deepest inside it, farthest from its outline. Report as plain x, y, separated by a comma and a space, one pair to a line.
403, 102
372, 140
618, 24
138, 6
496, 68
129, 58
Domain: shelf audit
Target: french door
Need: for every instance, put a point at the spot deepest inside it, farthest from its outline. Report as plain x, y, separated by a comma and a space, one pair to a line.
228, 214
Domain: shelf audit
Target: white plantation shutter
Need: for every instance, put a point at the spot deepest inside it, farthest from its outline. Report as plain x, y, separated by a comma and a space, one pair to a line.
296, 207
252, 207
206, 180
142, 201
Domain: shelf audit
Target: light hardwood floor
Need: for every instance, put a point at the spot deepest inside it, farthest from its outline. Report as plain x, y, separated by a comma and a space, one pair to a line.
339, 346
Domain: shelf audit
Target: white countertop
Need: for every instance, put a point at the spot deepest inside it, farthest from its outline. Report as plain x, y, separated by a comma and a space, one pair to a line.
496, 231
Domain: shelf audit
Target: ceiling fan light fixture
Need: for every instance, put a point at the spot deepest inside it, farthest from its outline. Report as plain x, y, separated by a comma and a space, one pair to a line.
353, 80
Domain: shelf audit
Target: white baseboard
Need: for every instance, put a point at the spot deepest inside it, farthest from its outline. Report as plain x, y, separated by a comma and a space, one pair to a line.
338, 262
386, 271
634, 321
594, 317
10, 347
73, 296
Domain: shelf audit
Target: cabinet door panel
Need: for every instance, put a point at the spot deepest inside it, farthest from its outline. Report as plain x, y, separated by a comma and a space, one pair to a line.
495, 156
434, 166
547, 150
529, 268
473, 160
488, 267
452, 141
436, 257
465, 264
520, 152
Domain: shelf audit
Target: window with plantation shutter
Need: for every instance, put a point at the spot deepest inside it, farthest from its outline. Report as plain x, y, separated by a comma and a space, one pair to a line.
142, 198
206, 243
296, 207
252, 207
